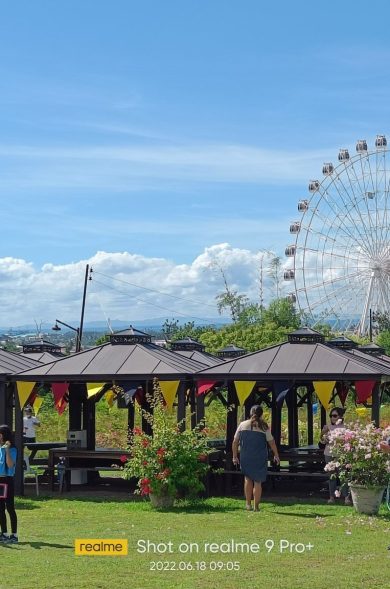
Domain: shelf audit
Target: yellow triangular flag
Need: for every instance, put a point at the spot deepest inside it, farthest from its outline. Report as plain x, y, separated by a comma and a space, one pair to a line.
93, 388
244, 389
324, 390
37, 404
110, 396
24, 391
169, 390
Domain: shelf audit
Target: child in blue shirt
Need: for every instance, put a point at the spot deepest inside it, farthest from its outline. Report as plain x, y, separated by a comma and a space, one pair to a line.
8, 455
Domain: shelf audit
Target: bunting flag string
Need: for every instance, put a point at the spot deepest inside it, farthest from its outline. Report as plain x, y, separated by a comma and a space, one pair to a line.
363, 389
93, 388
203, 386
244, 389
62, 405
24, 390
169, 390
342, 391
59, 390
281, 388
37, 404
324, 390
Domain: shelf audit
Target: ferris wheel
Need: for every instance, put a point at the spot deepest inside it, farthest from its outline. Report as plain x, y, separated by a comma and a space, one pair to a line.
340, 260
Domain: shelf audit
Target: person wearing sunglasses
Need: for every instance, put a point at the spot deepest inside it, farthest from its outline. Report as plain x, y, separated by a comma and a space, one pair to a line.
336, 421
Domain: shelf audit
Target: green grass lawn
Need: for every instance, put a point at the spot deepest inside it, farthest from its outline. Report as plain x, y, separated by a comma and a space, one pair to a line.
349, 550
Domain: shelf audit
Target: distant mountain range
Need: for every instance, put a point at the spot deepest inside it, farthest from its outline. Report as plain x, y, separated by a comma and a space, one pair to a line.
116, 324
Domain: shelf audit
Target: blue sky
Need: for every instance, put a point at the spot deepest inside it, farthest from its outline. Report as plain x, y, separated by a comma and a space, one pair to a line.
162, 129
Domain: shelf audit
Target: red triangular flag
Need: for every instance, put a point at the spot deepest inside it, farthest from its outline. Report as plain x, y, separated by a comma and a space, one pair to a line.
363, 389
59, 389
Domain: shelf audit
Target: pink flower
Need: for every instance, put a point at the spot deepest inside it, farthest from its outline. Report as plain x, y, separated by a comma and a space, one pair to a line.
123, 458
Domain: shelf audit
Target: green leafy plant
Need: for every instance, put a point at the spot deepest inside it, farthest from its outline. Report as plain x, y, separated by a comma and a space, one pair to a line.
170, 461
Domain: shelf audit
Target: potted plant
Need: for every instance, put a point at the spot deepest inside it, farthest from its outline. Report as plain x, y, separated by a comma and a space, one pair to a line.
171, 461
359, 461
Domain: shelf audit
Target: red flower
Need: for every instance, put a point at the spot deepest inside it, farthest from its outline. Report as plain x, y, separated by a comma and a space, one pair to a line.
145, 462
123, 458
145, 442
167, 471
145, 481
161, 451
137, 431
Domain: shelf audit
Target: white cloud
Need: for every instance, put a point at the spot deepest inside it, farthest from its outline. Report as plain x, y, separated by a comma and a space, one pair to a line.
55, 291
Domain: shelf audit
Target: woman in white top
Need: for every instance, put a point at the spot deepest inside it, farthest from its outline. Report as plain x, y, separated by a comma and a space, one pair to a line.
253, 436
336, 422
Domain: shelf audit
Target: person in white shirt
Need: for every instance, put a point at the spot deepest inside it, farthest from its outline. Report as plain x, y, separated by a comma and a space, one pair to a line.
29, 424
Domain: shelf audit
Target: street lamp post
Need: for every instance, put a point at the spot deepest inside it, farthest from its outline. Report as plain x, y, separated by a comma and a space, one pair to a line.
78, 330
56, 327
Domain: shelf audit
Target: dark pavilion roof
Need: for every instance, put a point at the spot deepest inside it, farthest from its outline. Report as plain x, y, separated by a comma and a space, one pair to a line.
42, 350
11, 363
129, 355
42, 357
195, 350
202, 357
297, 361
371, 353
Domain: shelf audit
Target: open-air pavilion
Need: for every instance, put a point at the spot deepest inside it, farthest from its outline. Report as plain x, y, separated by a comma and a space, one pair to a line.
293, 372
130, 362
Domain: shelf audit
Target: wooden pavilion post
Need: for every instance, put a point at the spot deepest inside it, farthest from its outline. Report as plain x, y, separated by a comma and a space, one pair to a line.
376, 404
192, 403
200, 409
309, 414
293, 435
181, 404
77, 394
19, 478
130, 419
89, 421
4, 403
231, 426
276, 418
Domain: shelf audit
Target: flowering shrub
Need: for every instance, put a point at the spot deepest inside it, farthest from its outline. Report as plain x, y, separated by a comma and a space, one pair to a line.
170, 461
357, 457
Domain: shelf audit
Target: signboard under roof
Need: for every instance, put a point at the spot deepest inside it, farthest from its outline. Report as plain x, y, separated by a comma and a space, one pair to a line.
130, 336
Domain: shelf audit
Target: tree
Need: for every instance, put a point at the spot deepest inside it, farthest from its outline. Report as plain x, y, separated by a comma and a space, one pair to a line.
282, 312
170, 327
234, 302
229, 298
275, 273
382, 320
383, 340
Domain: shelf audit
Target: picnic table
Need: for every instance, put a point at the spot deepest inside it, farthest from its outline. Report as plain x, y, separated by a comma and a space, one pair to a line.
35, 447
83, 459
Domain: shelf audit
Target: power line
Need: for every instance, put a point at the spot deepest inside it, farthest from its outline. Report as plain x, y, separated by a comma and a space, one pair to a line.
154, 304
154, 290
